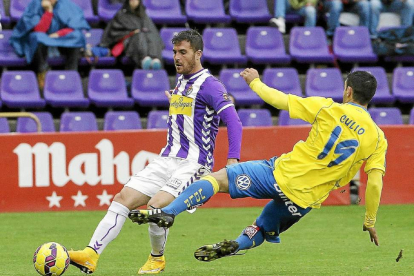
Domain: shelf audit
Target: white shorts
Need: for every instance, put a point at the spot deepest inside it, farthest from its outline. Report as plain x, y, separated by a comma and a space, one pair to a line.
169, 174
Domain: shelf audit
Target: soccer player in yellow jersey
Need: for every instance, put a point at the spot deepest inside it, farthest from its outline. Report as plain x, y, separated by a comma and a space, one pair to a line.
342, 138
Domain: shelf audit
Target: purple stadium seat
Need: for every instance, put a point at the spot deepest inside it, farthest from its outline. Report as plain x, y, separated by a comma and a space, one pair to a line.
238, 88
167, 35
157, 119
285, 120
25, 124
255, 117
148, 87
106, 88
93, 38
353, 44
382, 95
283, 79
107, 10
309, 45
165, 12
122, 120
206, 12
403, 84
411, 122
64, 89
4, 125
326, 83
4, 18
265, 45
386, 115
19, 89
221, 46
78, 121
248, 11
7, 55
17, 8
86, 6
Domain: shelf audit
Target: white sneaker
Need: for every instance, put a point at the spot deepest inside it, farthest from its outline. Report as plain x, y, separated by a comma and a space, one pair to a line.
278, 23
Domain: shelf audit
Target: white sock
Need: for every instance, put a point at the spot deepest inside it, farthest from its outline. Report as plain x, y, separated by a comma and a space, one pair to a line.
109, 227
158, 237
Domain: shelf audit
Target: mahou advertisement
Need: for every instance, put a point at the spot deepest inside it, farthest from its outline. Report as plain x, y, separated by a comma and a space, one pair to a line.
84, 171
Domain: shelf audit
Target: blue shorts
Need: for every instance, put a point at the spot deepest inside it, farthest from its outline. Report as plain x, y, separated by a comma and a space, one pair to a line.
255, 179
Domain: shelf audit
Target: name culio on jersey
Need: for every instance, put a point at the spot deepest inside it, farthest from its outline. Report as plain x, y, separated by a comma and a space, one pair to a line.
351, 123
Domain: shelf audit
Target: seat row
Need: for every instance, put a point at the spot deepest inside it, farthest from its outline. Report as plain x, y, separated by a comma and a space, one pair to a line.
165, 11
157, 119
107, 87
264, 45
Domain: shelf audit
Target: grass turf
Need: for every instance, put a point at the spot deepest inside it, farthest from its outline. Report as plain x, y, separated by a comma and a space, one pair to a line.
328, 241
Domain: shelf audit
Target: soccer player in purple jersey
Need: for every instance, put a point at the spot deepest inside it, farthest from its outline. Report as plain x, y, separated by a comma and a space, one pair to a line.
197, 104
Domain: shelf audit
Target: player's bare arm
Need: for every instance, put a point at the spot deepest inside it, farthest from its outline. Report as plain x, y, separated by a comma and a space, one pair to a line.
372, 199
272, 96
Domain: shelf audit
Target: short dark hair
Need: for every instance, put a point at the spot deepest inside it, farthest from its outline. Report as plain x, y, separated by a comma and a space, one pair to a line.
363, 84
192, 36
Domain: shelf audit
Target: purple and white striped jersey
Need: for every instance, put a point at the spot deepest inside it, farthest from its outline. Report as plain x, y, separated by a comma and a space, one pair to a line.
193, 118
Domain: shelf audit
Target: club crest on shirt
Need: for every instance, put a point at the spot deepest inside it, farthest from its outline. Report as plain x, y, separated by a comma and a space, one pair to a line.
189, 91
243, 182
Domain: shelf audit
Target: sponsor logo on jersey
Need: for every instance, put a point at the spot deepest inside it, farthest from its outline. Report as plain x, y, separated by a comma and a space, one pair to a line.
243, 182
181, 105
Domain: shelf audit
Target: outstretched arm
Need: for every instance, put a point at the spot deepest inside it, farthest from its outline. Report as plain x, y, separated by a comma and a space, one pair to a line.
372, 199
271, 96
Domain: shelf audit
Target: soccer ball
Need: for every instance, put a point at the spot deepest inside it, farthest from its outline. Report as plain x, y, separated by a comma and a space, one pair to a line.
51, 259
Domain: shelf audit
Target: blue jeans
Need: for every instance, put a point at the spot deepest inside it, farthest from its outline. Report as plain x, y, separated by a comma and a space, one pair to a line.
309, 12
405, 9
335, 7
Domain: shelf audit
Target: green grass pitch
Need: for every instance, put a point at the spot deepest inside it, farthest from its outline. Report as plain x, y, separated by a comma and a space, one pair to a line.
328, 241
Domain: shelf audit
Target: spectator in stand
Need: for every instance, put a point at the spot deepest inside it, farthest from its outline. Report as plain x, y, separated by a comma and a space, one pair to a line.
405, 8
335, 7
49, 23
133, 33
305, 8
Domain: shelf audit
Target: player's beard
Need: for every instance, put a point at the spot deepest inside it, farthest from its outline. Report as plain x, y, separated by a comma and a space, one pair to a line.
187, 68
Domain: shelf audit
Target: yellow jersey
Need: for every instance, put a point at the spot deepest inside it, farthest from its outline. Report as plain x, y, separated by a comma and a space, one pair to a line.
342, 138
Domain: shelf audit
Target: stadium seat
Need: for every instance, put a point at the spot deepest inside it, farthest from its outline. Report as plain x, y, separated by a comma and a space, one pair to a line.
17, 8
19, 89
386, 115
7, 55
148, 87
353, 44
382, 95
283, 79
265, 45
107, 10
165, 12
167, 35
403, 84
411, 120
4, 19
206, 12
238, 88
106, 88
157, 119
78, 121
248, 11
221, 46
309, 45
93, 38
86, 6
26, 124
255, 117
122, 120
326, 83
285, 120
4, 125
64, 89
